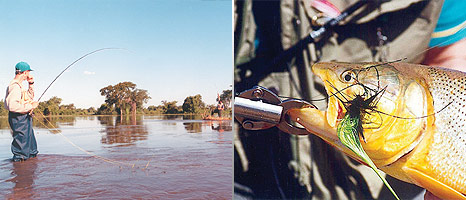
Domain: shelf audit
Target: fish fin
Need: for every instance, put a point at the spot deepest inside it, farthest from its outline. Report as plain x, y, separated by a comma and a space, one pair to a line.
435, 187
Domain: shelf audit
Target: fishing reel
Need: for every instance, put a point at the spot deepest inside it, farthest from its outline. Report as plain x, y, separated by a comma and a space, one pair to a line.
259, 108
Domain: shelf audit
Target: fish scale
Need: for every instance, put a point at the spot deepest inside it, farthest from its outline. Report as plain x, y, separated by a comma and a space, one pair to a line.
449, 144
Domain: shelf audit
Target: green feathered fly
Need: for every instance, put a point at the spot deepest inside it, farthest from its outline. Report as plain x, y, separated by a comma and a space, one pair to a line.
350, 128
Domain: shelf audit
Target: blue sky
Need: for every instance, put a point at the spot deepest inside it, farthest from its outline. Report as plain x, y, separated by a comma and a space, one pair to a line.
175, 48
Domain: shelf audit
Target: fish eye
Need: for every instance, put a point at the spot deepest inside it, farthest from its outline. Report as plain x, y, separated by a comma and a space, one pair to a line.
348, 76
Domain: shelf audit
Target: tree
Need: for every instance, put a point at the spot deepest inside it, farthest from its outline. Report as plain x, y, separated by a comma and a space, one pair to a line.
136, 99
225, 97
50, 107
193, 104
170, 107
69, 109
124, 95
91, 110
105, 109
3, 110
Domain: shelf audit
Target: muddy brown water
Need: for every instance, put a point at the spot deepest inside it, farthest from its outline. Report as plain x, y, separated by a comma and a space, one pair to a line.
151, 157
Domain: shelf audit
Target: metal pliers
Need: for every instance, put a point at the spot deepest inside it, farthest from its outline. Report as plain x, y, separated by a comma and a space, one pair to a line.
259, 108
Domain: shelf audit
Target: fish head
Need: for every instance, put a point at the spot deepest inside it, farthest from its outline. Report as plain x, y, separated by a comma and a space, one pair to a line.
387, 138
346, 81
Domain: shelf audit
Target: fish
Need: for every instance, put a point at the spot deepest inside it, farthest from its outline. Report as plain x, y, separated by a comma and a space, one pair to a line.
416, 132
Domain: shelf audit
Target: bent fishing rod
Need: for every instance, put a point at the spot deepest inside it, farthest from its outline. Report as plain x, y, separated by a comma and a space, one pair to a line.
95, 51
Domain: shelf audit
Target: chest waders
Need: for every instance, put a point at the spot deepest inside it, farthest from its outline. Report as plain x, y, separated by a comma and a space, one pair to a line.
24, 143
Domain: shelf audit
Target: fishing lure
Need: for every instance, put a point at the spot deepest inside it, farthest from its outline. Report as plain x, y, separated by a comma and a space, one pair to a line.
350, 128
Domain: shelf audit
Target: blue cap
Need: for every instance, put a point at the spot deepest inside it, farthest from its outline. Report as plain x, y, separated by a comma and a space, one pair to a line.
22, 66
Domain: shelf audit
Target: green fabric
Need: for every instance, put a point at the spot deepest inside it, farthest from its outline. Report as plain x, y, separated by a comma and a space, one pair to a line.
22, 66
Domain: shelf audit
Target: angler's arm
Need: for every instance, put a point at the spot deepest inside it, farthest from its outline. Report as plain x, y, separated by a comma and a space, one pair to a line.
448, 39
31, 91
452, 56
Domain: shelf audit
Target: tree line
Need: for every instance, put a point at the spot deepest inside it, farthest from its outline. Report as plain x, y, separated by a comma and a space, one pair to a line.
126, 99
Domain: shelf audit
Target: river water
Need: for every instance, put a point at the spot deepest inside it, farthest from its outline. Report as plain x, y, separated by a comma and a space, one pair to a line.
150, 157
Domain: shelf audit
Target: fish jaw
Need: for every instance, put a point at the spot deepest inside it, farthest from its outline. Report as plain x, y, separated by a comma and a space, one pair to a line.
315, 121
335, 108
324, 123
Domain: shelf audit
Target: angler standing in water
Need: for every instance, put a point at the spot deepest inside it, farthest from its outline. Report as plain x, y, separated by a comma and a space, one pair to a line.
19, 102
220, 108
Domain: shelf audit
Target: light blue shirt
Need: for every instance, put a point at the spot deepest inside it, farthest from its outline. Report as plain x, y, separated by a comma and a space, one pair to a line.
451, 24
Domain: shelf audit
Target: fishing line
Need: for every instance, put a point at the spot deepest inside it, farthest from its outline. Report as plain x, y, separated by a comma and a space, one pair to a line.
375, 105
325, 98
108, 160
425, 116
454, 36
444, 42
95, 51
293, 80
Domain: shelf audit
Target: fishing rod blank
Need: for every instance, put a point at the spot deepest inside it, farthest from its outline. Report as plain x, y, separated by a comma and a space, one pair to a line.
70, 66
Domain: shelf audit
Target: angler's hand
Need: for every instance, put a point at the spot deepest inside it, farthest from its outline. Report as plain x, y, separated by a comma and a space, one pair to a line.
35, 104
30, 79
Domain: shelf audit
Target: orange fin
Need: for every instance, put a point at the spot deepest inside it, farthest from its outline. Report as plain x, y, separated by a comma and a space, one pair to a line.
435, 187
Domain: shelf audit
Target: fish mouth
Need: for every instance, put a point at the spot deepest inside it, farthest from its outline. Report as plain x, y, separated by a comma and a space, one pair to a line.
324, 123
335, 110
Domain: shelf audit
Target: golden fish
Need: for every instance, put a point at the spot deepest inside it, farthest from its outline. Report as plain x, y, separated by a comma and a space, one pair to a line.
417, 133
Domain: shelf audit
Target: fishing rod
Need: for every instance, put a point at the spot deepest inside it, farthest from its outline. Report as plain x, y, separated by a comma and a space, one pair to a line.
259, 71
112, 161
95, 51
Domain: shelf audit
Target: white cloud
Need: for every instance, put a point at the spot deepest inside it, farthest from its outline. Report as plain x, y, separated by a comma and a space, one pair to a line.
89, 73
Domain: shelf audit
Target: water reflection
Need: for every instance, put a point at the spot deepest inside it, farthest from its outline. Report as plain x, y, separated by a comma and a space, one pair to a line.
126, 130
24, 176
193, 127
192, 117
221, 126
46, 122
196, 127
53, 123
172, 117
